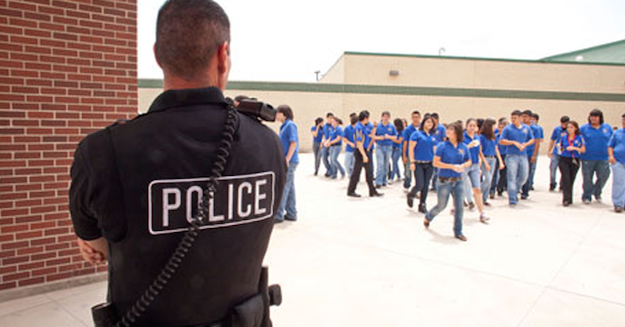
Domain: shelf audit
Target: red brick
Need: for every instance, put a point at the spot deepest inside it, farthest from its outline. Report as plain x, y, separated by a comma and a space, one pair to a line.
6, 286
16, 276
55, 277
31, 281
44, 271
14, 245
32, 265
43, 256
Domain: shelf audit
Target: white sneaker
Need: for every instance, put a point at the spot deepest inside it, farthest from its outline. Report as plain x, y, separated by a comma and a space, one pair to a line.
586, 201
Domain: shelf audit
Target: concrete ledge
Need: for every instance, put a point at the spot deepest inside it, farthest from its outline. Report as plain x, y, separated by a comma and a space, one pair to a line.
50, 287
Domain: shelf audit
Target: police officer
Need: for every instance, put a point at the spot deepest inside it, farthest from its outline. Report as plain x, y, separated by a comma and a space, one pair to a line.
136, 186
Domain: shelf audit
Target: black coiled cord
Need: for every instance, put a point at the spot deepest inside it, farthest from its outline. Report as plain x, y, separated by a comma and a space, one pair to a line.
185, 245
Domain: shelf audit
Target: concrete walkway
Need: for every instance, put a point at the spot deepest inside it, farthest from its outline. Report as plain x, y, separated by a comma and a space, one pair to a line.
370, 262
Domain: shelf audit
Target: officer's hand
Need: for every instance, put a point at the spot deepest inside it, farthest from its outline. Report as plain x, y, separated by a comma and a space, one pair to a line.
90, 254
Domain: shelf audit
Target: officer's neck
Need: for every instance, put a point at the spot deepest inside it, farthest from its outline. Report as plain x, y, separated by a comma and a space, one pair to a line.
171, 82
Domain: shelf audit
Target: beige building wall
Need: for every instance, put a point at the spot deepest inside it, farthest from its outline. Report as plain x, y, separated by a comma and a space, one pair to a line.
479, 74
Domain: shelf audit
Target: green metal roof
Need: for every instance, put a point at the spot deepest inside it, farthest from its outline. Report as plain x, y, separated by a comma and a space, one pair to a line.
609, 53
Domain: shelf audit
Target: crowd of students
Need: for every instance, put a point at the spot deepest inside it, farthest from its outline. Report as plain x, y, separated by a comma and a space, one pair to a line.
471, 161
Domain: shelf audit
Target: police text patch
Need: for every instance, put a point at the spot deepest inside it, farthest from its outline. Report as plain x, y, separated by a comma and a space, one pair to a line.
238, 200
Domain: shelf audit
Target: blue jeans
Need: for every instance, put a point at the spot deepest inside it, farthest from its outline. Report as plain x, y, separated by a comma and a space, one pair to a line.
518, 171
618, 185
348, 161
334, 161
316, 148
553, 169
288, 195
325, 157
589, 168
407, 175
530, 179
471, 178
443, 191
396, 157
488, 175
382, 159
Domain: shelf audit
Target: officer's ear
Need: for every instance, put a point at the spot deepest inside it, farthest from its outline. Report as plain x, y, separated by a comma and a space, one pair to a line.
156, 57
223, 58
223, 64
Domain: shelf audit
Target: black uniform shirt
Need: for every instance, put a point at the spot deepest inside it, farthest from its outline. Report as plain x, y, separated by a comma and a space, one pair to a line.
137, 184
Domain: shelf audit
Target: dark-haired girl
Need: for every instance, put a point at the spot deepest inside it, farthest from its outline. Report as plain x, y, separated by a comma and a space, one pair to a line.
421, 153
317, 134
471, 176
451, 158
570, 146
492, 158
397, 142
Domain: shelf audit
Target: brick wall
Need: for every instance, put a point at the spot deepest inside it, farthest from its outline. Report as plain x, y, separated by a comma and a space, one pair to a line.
67, 68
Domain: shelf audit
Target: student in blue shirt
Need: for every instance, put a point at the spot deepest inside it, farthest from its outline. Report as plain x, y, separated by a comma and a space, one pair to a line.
290, 144
335, 144
595, 160
616, 153
471, 176
397, 144
451, 158
517, 137
385, 134
317, 134
500, 180
492, 160
440, 134
570, 147
350, 144
532, 151
325, 152
362, 156
421, 150
414, 126
553, 151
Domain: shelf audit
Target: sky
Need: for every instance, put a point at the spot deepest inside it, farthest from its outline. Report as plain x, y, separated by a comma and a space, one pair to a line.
288, 40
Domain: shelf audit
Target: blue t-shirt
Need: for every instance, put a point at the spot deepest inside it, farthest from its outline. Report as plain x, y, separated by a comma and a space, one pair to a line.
369, 129
564, 143
288, 134
382, 130
424, 149
348, 133
555, 136
617, 143
327, 130
441, 133
488, 146
400, 136
337, 133
596, 141
453, 156
474, 151
407, 134
362, 135
502, 148
319, 137
538, 133
521, 134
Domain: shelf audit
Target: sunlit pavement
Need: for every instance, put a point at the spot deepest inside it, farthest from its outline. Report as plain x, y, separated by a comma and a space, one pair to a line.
370, 262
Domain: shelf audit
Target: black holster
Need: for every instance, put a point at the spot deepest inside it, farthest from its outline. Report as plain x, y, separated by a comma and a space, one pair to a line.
253, 312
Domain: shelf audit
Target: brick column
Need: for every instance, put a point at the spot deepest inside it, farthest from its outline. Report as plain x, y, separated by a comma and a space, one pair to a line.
67, 68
